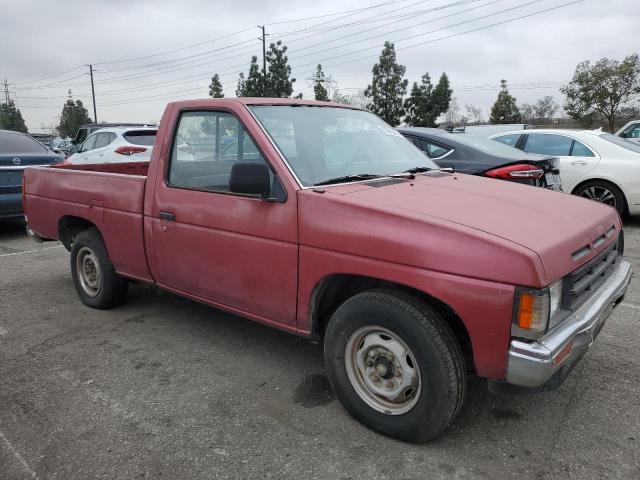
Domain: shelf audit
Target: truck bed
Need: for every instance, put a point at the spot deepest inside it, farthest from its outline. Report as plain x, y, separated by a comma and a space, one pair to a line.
111, 196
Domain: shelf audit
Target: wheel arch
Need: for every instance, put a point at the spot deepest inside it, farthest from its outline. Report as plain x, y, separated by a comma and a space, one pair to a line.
69, 226
333, 290
605, 180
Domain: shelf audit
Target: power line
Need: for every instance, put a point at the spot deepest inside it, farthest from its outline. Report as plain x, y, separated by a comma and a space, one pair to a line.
446, 36
130, 59
446, 27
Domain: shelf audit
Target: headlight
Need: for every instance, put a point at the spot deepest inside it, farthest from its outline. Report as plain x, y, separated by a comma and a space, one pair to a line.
530, 313
555, 300
535, 311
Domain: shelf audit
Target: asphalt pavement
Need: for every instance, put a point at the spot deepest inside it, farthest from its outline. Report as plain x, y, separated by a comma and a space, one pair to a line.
162, 387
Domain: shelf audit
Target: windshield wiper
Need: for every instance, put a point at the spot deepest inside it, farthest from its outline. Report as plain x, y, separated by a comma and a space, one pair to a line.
418, 170
348, 178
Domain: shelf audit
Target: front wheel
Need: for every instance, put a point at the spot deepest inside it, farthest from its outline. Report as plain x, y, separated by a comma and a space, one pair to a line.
395, 365
94, 276
603, 192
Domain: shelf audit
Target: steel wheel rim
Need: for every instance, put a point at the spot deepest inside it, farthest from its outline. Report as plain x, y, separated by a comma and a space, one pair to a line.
88, 270
600, 194
382, 370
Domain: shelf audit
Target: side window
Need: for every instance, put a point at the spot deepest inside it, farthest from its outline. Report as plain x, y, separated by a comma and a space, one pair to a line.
89, 143
548, 144
103, 139
434, 151
206, 147
580, 150
510, 140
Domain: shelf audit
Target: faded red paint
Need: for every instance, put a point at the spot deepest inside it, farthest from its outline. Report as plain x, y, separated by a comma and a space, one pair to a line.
464, 240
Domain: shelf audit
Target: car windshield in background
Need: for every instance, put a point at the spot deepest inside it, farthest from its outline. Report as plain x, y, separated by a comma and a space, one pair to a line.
621, 142
19, 143
141, 137
487, 146
323, 143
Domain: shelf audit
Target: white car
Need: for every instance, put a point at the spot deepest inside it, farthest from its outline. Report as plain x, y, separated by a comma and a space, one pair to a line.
116, 145
593, 164
631, 131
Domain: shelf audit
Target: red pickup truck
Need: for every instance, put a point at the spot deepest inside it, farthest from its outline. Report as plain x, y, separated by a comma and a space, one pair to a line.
323, 221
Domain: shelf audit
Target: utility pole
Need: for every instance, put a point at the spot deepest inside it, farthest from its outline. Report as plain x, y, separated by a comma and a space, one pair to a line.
6, 92
264, 61
93, 94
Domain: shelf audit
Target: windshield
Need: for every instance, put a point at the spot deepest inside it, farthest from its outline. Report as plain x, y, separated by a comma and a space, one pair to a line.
621, 142
322, 143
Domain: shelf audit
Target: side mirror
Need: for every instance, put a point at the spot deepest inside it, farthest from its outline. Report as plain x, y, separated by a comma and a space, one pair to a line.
250, 179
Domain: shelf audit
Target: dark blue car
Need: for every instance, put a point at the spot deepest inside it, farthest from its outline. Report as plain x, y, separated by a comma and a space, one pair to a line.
18, 151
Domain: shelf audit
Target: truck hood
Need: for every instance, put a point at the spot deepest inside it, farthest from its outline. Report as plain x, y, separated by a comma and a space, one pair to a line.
563, 231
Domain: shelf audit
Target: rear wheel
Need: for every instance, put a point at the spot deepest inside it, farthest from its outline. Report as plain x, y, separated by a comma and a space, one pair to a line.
95, 278
395, 365
603, 192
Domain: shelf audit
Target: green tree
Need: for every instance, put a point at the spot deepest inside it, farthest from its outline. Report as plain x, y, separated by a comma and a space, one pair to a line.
505, 109
254, 84
441, 97
215, 87
319, 90
418, 106
11, 117
426, 102
241, 88
73, 115
279, 81
388, 87
602, 89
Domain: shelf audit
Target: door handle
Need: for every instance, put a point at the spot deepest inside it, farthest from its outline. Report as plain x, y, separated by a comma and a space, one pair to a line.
579, 162
167, 216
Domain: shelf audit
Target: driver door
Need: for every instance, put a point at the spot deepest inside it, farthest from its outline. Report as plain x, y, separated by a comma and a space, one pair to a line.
233, 250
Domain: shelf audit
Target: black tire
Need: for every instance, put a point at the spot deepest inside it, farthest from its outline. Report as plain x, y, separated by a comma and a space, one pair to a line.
430, 341
599, 190
105, 289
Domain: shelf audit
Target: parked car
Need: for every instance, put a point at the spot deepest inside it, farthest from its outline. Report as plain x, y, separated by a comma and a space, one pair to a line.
116, 145
17, 151
87, 129
63, 147
593, 164
631, 131
325, 222
475, 155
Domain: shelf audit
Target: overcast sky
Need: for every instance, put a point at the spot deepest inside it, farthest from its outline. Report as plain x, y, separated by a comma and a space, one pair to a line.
168, 50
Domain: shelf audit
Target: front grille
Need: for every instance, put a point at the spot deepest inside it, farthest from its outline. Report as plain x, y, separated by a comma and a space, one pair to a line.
11, 189
580, 283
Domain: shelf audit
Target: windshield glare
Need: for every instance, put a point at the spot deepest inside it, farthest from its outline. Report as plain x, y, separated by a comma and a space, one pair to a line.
321, 143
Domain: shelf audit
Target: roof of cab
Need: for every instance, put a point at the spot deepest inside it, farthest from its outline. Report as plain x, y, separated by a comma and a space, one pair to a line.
205, 102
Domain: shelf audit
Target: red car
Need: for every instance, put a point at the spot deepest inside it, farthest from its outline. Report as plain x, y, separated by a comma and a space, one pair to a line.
321, 220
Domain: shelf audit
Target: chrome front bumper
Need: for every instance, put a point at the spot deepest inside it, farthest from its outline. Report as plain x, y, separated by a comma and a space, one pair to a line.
534, 364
